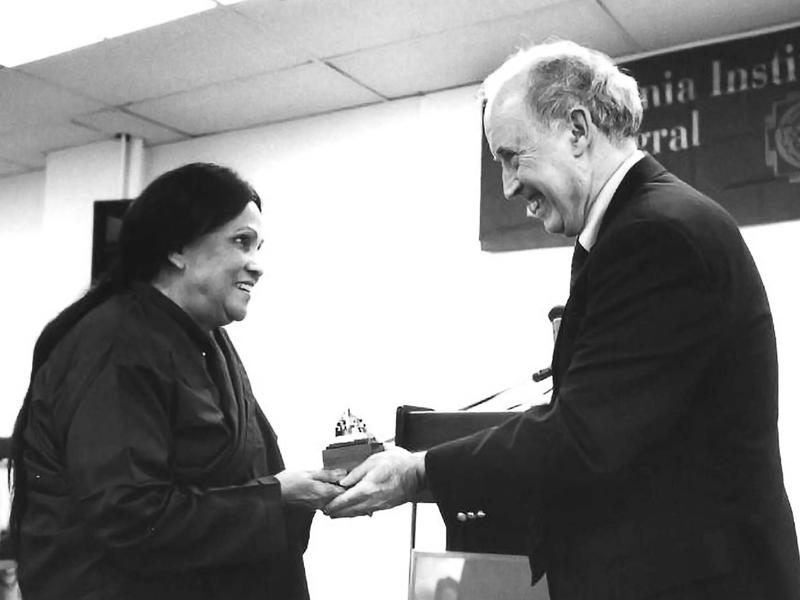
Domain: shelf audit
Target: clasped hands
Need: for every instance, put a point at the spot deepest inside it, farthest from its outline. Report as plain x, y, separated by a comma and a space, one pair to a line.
382, 481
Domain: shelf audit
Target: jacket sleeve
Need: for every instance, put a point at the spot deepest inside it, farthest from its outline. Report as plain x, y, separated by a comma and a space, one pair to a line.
118, 454
654, 319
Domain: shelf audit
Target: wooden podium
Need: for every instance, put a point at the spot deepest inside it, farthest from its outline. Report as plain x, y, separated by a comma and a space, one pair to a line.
417, 429
472, 568
472, 576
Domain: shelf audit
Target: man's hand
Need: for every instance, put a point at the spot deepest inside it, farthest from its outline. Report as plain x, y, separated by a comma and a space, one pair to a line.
384, 480
310, 489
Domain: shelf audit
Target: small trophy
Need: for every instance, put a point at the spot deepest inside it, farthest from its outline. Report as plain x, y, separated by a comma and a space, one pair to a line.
353, 445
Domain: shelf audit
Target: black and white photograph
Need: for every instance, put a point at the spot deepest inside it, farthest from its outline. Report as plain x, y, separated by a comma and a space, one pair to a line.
400, 299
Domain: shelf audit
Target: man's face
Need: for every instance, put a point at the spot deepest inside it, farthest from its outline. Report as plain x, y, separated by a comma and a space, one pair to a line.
542, 167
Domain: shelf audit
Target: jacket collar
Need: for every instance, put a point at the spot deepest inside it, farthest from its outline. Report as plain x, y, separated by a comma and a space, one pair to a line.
645, 170
598, 208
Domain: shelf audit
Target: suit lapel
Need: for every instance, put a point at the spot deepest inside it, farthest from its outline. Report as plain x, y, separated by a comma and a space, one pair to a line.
579, 256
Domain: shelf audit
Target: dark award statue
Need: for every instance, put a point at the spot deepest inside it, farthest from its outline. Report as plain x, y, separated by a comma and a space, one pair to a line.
352, 446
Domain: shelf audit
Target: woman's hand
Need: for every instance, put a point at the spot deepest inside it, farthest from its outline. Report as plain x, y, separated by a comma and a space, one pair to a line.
310, 489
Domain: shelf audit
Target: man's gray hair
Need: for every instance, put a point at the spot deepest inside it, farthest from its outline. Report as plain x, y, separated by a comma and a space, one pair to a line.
562, 75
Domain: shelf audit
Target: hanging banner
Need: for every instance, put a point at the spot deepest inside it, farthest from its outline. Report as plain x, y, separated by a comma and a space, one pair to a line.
724, 117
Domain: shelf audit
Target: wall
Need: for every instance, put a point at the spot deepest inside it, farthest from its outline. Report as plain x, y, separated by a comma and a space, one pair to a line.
375, 293
24, 272
45, 251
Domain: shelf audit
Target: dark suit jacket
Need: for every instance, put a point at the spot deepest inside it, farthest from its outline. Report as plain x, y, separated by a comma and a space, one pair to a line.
654, 472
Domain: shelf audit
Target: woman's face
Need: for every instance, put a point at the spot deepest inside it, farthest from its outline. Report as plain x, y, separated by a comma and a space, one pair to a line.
220, 270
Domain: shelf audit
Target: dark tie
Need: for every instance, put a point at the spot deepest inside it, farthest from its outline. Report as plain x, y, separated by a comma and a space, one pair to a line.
579, 257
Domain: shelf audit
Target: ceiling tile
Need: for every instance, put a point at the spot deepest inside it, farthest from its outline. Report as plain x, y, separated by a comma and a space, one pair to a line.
315, 29
308, 89
267, 51
114, 121
334, 27
30, 145
438, 61
423, 17
8, 168
668, 23
216, 45
26, 101
33, 29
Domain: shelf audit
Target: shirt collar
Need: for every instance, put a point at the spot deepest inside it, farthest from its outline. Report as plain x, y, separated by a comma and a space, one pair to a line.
588, 236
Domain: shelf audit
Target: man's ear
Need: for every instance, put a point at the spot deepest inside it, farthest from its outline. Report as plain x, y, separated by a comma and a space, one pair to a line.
580, 128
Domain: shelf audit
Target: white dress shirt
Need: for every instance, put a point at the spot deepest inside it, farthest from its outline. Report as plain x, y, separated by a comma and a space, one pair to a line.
588, 236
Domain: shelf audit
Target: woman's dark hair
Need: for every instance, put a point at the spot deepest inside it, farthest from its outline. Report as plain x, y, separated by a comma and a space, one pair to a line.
173, 211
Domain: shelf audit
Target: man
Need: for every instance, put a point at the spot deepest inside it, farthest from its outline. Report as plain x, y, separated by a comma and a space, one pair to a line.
654, 472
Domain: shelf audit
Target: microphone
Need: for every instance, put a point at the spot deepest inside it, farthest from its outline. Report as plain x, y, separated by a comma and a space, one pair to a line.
554, 314
542, 374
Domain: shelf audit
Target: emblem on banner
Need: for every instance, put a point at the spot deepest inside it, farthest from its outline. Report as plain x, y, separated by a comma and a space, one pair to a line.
782, 129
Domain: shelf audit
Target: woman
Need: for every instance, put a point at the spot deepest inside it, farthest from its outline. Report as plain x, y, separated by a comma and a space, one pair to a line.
143, 466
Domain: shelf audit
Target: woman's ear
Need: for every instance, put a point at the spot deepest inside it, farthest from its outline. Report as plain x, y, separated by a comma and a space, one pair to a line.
177, 259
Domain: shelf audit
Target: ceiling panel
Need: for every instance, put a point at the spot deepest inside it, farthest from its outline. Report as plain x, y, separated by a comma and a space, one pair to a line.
30, 145
667, 23
33, 29
27, 101
438, 61
7, 168
314, 29
308, 89
113, 121
261, 61
414, 18
334, 27
216, 45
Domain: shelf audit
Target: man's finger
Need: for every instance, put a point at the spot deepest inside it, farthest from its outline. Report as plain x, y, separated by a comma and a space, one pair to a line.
357, 474
350, 499
332, 490
329, 475
341, 501
355, 510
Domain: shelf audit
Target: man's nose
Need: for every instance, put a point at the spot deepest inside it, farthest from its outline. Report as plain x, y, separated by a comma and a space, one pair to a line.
510, 183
